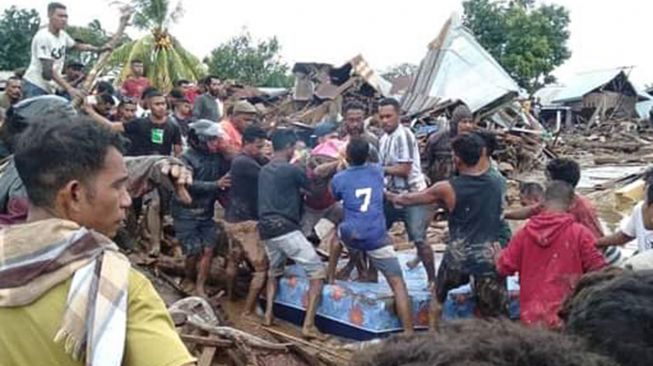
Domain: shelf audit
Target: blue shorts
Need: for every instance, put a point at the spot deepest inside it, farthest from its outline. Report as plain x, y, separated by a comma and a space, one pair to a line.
416, 219
195, 235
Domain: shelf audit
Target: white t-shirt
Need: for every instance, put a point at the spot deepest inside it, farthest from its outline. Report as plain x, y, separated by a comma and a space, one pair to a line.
633, 226
46, 45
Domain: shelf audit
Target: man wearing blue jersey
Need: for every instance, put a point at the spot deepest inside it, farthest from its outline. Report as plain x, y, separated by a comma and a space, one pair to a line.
360, 187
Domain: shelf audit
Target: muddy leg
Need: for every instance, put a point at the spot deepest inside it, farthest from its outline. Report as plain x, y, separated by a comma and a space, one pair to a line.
230, 272
425, 253
153, 219
334, 255
203, 273
191, 272
273, 282
255, 288
402, 302
309, 330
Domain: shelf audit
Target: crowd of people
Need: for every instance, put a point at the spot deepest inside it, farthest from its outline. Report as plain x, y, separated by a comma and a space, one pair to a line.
66, 286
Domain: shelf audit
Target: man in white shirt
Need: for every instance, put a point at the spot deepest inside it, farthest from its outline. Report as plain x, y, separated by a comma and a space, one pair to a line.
400, 158
639, 226
49, 47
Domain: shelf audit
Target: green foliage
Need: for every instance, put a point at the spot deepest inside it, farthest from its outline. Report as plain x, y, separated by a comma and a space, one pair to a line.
250, 62
93, 34
528, 41
164, 58
17, 27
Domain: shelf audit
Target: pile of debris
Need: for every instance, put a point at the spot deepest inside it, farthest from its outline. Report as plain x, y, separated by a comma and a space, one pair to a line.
457, 69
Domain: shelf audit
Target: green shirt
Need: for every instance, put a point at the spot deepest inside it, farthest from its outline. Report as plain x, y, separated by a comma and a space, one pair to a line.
27, 332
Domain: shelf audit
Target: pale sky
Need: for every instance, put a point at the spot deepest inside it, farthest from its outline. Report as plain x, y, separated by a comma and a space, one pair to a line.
604, 34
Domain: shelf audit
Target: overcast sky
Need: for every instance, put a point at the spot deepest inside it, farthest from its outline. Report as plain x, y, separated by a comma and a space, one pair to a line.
604, 34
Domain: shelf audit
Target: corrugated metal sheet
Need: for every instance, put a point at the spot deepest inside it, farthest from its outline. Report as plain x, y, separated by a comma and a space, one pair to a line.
362, 68
644, 109
457, 67
585, 82
548, 94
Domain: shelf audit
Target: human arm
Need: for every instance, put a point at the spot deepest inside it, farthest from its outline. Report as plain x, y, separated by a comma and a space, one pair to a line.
398, 170
90, 48
439, 192
616, 239
627, 231
590, 256
509, 259
523, 213
113, 126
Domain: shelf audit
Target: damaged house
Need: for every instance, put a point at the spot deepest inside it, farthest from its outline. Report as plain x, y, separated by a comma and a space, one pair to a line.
321, 89
599, 96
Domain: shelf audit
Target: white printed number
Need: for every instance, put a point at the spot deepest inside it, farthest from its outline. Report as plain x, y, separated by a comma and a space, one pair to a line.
367, 196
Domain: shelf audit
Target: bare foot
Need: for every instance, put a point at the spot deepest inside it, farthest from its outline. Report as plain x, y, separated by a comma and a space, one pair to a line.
268, 320
250, 317
313, 333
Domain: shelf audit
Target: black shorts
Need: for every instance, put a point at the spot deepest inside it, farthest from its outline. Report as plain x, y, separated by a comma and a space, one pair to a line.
490, 290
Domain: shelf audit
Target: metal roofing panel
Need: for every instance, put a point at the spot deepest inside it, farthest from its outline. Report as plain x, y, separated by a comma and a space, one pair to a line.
458, 67
585, 82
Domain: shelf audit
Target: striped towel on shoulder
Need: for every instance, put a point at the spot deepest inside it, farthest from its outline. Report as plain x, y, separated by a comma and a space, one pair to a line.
37, 256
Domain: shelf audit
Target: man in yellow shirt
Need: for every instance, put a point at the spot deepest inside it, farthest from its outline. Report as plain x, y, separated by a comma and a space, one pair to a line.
67, 296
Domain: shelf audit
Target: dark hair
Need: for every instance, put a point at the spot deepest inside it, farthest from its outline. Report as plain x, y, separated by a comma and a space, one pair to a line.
648, 175
105, 87
559, 192
392, 102
126, 100
564, 169
490, 140
53, 152
615, 315
177, 93
468, 148
13, 78
531, 190
479, 342
150, 92
358, 151
207, 80
181, 82
252, 133
283, 138
649, 194
136, 61
52, 7
353, 105
106, 99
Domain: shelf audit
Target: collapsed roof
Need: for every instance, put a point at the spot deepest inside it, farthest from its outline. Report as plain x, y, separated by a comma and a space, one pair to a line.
581, 84
457, 67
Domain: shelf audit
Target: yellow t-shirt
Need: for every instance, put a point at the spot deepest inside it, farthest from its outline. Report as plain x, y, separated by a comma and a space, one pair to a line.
27, 333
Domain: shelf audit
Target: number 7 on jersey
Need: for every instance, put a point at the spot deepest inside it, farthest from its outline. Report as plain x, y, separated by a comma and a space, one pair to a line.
366, 193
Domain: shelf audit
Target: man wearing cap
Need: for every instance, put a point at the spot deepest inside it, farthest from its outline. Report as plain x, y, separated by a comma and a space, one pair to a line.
209, 105
243, 115
194, 224
48, 51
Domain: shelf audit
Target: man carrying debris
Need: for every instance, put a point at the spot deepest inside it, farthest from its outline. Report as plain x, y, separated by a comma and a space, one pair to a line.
360, 188
86, 306
400, 159
474, 201
242, 216
49, 47
194, 224
280, 189
354, 127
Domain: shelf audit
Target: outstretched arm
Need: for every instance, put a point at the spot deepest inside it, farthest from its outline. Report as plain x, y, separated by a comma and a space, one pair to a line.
439, 192
523, 213
618, 238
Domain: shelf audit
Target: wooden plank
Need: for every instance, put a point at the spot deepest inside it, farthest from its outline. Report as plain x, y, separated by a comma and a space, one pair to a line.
206, 341
206, 358
298, 341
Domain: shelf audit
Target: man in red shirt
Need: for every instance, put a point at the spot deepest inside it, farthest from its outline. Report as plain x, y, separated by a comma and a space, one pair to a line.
550, 253
135, 83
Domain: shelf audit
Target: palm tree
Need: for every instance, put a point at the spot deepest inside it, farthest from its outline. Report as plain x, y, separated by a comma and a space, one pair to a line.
164, 58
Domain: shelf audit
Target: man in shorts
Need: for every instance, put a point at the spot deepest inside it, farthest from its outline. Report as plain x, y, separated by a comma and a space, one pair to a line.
360, 188
280, 189
474, 201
